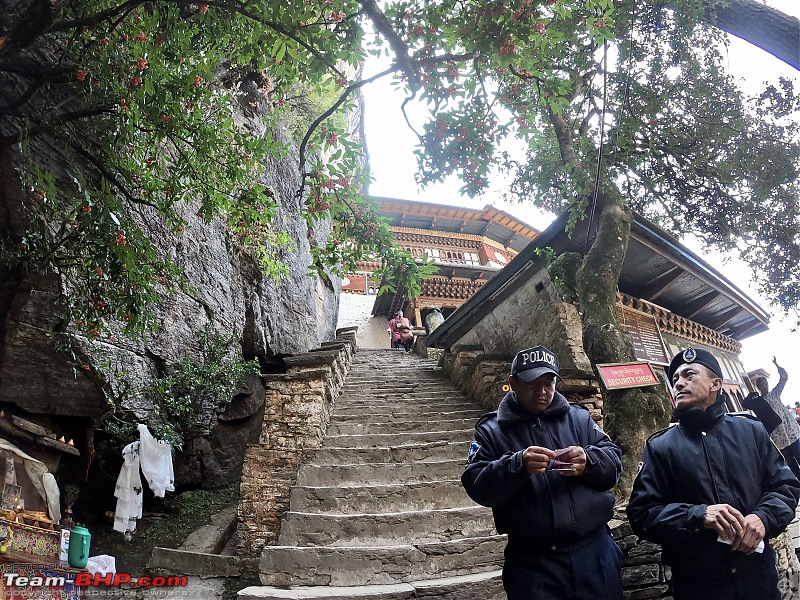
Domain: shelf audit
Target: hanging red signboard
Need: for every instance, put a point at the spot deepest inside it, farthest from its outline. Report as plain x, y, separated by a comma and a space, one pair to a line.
627, 375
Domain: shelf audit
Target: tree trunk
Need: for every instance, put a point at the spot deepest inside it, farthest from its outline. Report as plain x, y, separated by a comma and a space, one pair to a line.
762, 26
631, 415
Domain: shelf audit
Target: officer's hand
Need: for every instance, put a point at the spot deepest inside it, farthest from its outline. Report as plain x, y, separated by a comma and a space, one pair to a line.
576, 457
535, 459
726, 520
754, 531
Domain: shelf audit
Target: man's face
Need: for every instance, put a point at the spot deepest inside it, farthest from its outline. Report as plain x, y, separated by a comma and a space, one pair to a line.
763, 386
695, 386
536, 395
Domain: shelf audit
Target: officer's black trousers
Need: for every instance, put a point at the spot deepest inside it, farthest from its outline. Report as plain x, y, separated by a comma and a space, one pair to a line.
757, 583
589, 572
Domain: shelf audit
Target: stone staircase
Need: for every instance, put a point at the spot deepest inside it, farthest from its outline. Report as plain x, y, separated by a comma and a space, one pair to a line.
379, 512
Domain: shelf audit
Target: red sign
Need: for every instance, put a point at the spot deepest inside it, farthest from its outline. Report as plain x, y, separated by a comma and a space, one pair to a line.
627, 375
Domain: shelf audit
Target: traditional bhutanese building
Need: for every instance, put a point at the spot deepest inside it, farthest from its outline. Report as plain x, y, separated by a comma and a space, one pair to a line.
669, 299
468, 246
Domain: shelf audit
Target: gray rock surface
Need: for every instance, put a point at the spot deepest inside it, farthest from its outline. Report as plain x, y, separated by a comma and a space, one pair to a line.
267, 318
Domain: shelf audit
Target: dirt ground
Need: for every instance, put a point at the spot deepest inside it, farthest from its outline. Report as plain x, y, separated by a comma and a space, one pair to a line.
167, 524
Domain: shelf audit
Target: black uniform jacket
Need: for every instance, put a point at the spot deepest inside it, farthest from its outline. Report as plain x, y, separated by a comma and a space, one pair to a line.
709, 458
551, 508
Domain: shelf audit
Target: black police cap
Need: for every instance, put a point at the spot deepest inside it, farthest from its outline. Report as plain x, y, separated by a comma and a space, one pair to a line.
694, 355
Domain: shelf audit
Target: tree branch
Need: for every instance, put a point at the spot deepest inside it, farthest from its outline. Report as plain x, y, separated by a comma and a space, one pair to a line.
65, 117
384, 27
101, 167
97, 17
318, 121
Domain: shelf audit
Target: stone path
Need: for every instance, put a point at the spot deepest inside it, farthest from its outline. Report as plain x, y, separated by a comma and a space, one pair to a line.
379, 512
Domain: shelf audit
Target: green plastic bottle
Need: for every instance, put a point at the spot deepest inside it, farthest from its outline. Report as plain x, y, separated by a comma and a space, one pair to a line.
78, 553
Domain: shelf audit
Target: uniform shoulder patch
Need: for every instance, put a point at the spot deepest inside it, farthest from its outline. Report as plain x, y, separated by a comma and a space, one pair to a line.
474, 447
597, 427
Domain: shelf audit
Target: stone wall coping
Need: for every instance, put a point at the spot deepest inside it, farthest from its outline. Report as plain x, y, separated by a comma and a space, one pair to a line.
301, 376
337, 345
326, 357
352, 328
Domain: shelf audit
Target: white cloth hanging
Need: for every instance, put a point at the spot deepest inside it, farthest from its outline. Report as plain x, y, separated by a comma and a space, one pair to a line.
128, 491
36, 471
156, 460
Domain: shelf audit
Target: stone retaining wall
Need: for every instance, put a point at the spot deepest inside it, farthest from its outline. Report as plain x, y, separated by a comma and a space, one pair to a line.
297, 412
481, 377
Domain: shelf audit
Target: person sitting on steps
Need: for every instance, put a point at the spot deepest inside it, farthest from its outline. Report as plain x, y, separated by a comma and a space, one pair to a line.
401, 332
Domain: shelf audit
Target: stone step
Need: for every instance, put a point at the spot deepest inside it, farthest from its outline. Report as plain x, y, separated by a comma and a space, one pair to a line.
393, 397
428, 412
379, 473
424, 526
396, 439
411, 382
406, 406
385, 498
379, 565
212, 537
431, 409
479, 586
393, 394
378, 367
431, 451
421, 426
389, 378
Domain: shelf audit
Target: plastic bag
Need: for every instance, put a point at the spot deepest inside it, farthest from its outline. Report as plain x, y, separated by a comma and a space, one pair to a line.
102, 564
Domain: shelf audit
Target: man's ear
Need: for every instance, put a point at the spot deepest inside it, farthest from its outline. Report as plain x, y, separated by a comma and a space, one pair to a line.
512, 381
716, 384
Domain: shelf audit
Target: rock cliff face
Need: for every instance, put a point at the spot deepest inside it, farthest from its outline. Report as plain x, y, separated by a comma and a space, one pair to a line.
269, 318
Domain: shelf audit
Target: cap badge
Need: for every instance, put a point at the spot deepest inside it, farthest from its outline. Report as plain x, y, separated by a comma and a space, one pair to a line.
689, 355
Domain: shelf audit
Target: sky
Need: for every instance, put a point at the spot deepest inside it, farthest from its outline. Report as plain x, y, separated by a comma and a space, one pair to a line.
391, 144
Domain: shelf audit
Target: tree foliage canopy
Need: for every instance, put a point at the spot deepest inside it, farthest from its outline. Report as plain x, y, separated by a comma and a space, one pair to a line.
138, 99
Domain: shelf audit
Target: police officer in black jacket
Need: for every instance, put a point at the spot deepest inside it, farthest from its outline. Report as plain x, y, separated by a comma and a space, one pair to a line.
710, 490
545, 468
